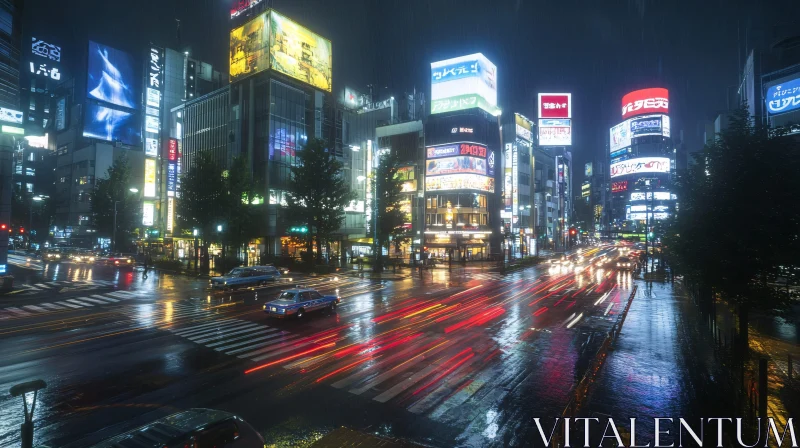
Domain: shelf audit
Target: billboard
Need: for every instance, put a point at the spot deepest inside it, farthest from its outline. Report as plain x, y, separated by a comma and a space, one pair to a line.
10, 115
649, 125
659, 196
463, 83
555, 132
273, 41
524, 127
151, 147
587, 169
148, 212
619, 186
620, 136
783, 97
555, 105
586, 189
111, 125
455, 165
463, 149
111, 76
640, 165
460, 182
149, 178
645, 101
61, 114
172, 178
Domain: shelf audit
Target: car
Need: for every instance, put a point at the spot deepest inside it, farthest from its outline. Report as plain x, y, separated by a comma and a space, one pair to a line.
246, 276
625, 264
191, 428
297, 302
83, 256
118, 260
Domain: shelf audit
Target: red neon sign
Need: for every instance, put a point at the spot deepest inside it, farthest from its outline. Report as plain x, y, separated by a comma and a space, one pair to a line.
645, 101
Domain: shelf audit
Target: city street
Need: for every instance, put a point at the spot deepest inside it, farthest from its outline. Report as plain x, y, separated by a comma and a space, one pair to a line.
466, 359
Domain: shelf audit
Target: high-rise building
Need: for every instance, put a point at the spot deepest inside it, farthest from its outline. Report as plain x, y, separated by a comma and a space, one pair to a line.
519, 208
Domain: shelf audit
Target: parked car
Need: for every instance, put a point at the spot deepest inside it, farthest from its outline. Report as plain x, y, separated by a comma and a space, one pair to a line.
246, 276
297, 302
191, 428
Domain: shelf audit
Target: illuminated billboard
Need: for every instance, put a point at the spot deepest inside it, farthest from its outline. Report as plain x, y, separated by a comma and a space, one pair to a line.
619, 186
555, 105
463, 83
149, 178
620, 136
783, 97
455, 165
460, 182
111, 125
645, 101
587, 169
457, 149
555, 132
10, 115
640, 165
649, 125
659, 196
148, 212
111, 76
273, 41
524, 127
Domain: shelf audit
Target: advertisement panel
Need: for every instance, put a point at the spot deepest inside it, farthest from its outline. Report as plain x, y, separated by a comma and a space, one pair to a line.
148, 212
659, 196
463, 149
111, 125
619, 186
586, 189
299, 53
640, 165
172, 178
463, 83
61, 114
555, 105
10, 115
587, 169
149, 178
170, 213
644, 216
490, 164
460, 182
111, 76
507, 188
555, 132
151, 147
273, 41
645, 101
172, 149
620, 136
649, 125
524, 127
783, 97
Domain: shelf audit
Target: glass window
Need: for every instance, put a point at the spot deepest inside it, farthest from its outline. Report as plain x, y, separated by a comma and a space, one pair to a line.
29, 188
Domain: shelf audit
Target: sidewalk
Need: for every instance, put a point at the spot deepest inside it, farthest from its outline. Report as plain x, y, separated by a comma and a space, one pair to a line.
661, 365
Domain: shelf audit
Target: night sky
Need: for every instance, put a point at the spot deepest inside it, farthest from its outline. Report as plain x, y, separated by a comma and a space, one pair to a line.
596, 49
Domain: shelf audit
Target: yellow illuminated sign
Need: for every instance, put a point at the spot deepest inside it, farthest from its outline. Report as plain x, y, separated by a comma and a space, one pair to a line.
149, 178
273, 41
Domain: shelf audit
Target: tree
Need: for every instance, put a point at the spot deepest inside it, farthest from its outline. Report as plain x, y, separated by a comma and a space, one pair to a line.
317, 194
203, 198
389, 219
738, 217
241, 211
112, 195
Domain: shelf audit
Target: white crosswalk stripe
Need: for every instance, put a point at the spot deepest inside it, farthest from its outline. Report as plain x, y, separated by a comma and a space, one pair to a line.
71, 305
78, 302
89, 299
34, 308
243, 339
105, 298
51, 306
17, 311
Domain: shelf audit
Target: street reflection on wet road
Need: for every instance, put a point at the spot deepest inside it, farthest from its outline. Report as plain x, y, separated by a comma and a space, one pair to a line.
475, 354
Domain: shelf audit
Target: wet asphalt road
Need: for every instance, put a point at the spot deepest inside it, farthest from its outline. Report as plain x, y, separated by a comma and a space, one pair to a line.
466, 359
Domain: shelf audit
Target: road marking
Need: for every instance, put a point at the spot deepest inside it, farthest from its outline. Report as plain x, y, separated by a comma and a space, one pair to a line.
105, 298
78, 302
122, 294
17, 311
71, 305
51, 306
34, 308
250, 330
190, 331
248, 341
101, 302
212, 330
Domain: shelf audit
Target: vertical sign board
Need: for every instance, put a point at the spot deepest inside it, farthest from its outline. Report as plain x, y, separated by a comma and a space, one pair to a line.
515, 185
172, 167
170, 213
507, 177
154, 88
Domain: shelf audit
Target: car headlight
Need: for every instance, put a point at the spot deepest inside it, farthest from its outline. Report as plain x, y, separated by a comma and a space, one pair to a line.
58, 256
265, 306
129, 260
282, 310
224, 283
91, 258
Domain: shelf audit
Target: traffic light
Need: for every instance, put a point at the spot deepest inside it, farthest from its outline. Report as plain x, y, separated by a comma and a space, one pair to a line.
573, 231
22, 230
3, 226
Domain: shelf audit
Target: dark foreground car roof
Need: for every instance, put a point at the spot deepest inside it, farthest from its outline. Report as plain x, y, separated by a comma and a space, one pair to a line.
166, 429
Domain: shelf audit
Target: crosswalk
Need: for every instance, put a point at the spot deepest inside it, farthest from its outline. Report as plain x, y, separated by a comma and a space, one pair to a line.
243, 339
56, 285
489, 276
66, 304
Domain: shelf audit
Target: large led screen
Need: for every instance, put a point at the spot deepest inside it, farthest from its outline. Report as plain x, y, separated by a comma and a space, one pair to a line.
460, 182
455, 165
272, 41
111, 125
645, 101
555, 132
111, 76
783, 97
299, 53
463, 83
640, 166
620, 136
